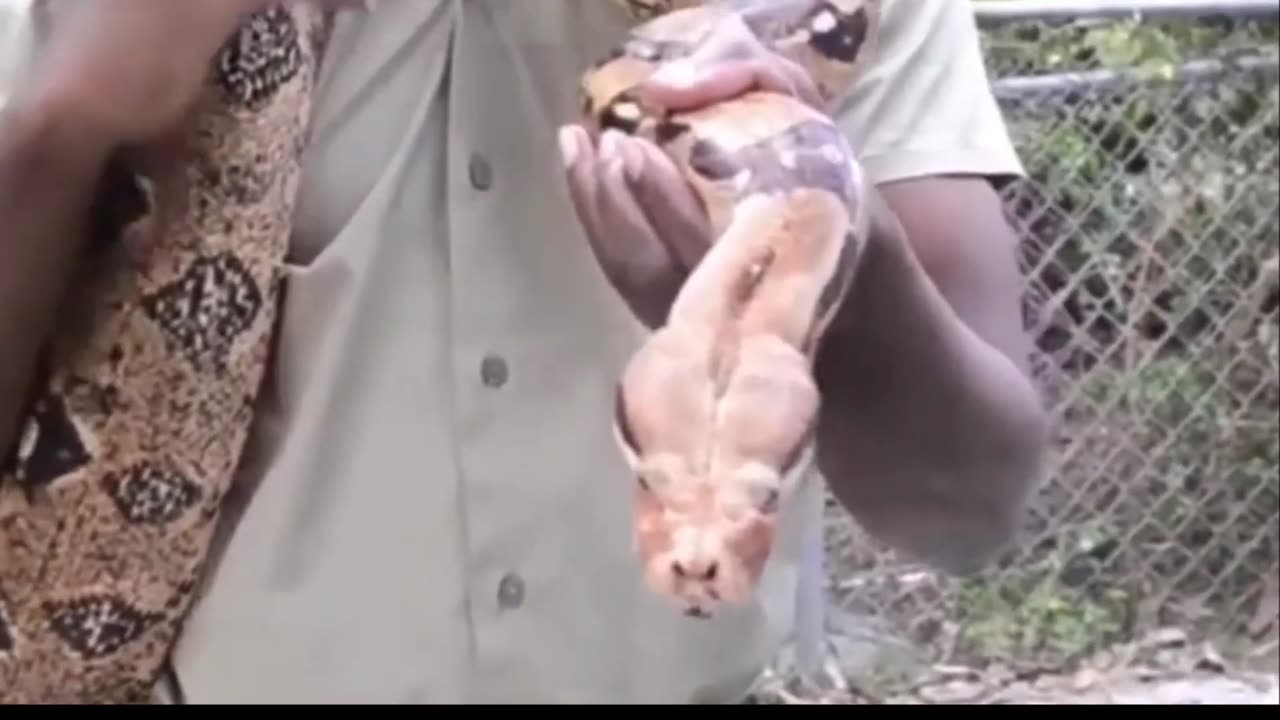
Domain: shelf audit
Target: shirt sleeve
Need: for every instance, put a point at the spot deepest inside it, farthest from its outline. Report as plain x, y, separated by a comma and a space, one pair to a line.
924, 104
16, 37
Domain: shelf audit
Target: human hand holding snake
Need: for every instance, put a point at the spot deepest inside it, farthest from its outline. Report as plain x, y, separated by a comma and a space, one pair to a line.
643, 220
727, 209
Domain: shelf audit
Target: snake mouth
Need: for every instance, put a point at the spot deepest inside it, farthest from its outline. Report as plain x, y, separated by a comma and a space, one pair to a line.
697, 612
701, 608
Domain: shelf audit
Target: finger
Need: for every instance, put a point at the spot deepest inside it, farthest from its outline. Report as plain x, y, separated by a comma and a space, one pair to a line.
664, 196
587, 167
681, 86
632, 259
644, 271
579, 160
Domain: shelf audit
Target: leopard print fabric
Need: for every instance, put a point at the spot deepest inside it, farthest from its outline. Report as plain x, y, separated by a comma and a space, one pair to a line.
110, 497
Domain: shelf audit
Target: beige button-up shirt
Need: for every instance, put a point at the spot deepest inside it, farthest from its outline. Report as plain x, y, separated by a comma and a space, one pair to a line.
432, 508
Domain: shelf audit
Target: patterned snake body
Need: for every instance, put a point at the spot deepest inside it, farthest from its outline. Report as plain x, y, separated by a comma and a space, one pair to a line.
716, 412
137, 421
109, 501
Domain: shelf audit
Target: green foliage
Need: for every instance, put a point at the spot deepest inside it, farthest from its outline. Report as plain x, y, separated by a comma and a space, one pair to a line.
1036, 619
1150, 219
1153, 47
1150, 215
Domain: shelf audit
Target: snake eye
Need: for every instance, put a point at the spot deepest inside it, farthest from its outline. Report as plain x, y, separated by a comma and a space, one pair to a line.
761, 487
652, 479
765, 500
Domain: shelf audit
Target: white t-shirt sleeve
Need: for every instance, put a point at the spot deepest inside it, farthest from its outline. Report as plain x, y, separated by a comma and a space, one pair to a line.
15, 43
924, 105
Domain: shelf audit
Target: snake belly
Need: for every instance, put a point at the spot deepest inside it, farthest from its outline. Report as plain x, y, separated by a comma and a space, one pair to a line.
136, 424
716, 412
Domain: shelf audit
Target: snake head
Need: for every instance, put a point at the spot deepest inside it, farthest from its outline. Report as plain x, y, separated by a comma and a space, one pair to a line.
710, 478
704, 538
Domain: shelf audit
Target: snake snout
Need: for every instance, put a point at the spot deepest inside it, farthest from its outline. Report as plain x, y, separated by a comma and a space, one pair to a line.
699, 569
702, 576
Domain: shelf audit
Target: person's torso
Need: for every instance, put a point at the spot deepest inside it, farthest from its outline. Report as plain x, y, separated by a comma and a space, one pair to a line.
432, 507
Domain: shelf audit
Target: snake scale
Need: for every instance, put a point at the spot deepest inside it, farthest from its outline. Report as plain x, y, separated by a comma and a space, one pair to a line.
136, 422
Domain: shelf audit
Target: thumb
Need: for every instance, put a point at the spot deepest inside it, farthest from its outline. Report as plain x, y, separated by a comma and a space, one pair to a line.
713, 71
731, 62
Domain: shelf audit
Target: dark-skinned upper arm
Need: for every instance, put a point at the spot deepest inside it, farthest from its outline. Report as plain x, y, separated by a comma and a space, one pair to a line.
48, 179
956, 226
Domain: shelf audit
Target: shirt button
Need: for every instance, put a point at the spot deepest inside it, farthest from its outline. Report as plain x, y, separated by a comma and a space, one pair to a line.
493, 371
481, 172
510, 592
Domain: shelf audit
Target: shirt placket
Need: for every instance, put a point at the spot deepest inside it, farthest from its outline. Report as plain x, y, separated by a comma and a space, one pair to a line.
488, 351
538, 341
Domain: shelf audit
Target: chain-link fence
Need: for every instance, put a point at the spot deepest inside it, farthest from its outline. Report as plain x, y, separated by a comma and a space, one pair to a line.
1150, 240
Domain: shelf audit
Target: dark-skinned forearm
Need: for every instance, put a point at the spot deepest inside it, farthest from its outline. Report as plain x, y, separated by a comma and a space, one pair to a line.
48, 176
931, 435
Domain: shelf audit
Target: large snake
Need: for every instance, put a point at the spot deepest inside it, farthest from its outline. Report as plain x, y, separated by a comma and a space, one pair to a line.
136, 427
717, 411
136, 423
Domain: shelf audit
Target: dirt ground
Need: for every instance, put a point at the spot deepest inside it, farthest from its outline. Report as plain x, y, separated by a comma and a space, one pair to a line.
1165, 668
1128, 687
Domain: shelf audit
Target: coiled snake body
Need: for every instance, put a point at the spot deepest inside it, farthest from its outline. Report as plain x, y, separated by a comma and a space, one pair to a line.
136, 424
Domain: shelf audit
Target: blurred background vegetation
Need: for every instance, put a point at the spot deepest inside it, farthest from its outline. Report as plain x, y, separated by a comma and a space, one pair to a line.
1150, 231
